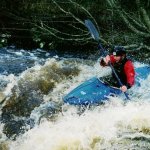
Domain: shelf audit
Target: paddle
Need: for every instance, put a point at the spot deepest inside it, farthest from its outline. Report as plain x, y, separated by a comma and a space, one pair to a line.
94, 33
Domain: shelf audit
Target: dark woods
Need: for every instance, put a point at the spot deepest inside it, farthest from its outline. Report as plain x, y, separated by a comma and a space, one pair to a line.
59, 24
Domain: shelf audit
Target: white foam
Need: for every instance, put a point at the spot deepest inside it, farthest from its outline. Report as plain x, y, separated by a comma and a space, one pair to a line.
93, 129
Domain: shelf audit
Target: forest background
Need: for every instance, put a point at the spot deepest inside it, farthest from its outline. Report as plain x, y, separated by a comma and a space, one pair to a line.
59, 24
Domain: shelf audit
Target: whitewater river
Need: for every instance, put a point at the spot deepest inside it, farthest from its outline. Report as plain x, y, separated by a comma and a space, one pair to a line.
34, 117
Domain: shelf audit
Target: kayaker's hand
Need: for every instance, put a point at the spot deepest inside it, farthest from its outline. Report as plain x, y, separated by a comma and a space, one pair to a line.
107, 59
123, 88
104, 61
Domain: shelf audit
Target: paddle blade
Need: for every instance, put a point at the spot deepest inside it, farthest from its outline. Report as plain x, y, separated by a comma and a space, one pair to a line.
92, 29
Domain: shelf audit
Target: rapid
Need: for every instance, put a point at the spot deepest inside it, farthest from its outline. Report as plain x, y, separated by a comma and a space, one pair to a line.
33, 115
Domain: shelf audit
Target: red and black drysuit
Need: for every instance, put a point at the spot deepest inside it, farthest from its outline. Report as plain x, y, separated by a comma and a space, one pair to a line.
124, 70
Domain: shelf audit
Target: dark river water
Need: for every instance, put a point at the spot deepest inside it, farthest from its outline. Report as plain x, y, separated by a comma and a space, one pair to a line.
33, 115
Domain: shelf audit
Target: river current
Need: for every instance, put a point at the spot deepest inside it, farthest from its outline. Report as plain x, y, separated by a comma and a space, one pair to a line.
33, 115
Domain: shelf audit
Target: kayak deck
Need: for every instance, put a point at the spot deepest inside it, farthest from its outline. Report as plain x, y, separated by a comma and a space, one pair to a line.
95, 91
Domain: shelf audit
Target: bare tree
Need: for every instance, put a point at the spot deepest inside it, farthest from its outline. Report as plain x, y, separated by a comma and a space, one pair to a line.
138, 21
50, 22
78, 31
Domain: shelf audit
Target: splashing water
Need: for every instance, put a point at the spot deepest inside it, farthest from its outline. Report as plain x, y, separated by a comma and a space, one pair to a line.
113, 126
33, 115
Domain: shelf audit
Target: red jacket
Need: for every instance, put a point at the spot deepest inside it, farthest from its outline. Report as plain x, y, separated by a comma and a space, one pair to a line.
128, 70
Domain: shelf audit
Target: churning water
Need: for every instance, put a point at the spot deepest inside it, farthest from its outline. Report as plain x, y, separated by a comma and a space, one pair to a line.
33, 115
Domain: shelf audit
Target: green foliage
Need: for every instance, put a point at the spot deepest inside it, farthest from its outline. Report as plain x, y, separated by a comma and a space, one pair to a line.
47, 24
4, 40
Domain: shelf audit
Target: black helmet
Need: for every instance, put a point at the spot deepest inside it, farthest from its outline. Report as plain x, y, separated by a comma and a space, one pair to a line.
119, 51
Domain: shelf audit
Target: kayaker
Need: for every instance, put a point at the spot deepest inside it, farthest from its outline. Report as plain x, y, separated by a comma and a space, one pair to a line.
123, 67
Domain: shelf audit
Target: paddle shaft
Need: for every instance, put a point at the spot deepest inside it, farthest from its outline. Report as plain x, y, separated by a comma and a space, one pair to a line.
113, 70
94, 33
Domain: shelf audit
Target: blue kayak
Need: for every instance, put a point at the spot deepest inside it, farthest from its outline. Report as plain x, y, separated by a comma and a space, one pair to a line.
95, 91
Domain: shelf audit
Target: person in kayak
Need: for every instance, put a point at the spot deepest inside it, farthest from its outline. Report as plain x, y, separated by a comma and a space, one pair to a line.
123, 67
